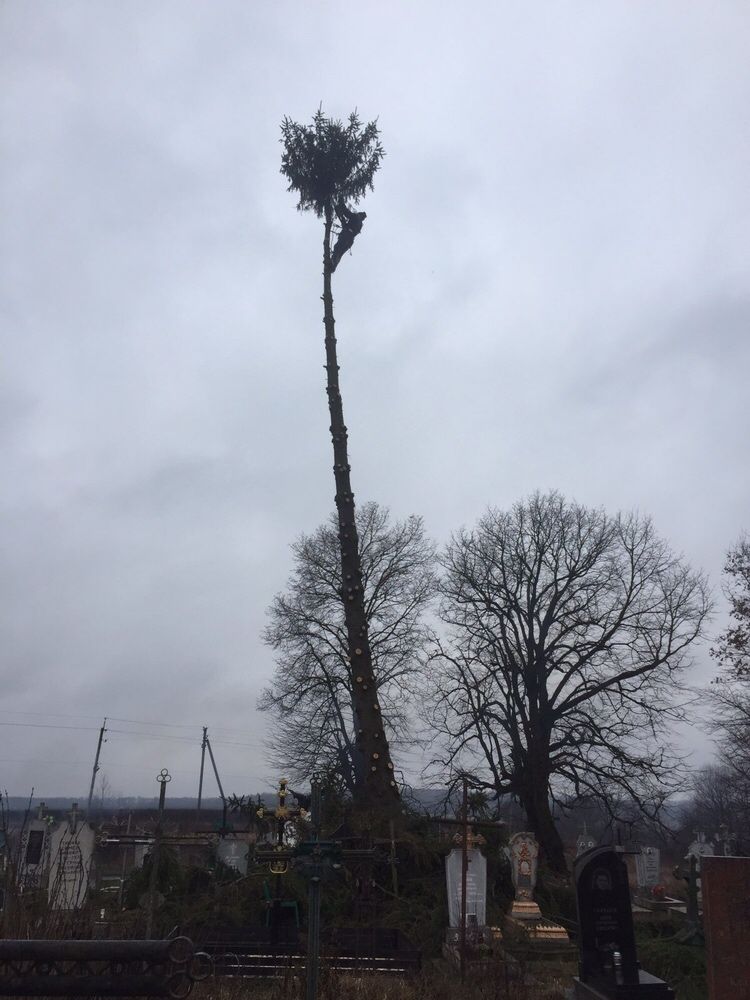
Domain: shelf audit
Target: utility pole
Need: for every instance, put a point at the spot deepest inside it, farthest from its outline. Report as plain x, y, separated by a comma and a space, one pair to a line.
102, 731
163, 778
218, 782
203, 762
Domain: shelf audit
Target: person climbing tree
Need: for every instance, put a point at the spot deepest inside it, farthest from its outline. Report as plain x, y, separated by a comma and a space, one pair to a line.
351, 227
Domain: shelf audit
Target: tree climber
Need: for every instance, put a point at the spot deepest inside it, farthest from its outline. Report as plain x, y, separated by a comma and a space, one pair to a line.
351, 227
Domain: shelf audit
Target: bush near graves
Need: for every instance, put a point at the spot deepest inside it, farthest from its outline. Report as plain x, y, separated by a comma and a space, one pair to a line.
556, 897
683, 966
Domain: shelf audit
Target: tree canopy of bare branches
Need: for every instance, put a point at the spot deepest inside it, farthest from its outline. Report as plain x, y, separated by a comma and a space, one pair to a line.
312, 690
567, 632
730, 693
733, 649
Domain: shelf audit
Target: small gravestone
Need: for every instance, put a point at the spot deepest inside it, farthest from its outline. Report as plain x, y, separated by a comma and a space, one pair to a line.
699, 849
648, 868
71, 852
34, 853
608, 963
726, 922
725, 842
139, 854
233, 854
584, 842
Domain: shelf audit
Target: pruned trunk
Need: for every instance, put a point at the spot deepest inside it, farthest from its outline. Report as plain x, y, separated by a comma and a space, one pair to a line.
375, 782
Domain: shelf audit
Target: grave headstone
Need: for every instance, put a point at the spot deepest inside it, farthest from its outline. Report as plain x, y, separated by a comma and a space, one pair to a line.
726, 922
233, 854
608, 963
476, 887
71, 852
648, 867
34, 853
585, 842
725, 841
523, 851
699, 849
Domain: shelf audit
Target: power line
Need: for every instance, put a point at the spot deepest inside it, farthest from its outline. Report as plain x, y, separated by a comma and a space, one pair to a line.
46, 725
127, 732
133, 722
182, 739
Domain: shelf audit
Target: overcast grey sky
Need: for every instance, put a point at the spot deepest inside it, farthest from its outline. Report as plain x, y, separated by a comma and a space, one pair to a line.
551, 290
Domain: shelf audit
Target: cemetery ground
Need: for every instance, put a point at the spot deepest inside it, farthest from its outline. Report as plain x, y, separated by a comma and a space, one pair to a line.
404, 890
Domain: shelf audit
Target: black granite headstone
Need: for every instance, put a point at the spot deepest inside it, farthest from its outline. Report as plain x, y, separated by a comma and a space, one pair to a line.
605, 919
608, 963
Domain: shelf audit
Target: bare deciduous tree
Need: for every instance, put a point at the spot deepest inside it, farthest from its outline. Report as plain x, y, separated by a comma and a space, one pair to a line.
719, 799
567, 633
733, 649
312, 693
729, 695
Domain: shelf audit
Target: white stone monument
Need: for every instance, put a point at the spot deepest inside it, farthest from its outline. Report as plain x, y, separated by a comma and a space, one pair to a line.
71, 852
233, 854
648, 867
476, 887
700, 848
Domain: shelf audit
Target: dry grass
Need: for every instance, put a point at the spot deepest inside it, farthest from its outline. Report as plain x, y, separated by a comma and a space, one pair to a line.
438, 981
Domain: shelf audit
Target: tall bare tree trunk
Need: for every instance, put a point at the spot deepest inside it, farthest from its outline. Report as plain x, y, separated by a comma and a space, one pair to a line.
375, 784
535, 801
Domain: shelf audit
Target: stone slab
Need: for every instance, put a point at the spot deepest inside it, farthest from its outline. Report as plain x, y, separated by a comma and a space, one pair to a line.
726, 922
648, 987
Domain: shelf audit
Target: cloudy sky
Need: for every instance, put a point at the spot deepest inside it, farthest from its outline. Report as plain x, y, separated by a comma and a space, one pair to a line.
551, 290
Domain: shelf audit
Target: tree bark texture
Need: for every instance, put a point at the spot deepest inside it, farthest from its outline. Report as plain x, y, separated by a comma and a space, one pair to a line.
376, 785
535, 801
